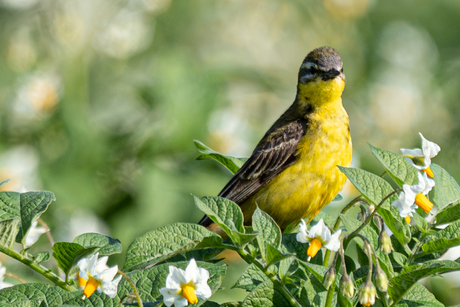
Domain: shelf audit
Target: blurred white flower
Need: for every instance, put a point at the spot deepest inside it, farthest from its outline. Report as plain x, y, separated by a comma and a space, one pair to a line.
37, 96
98, 276
318, 236
19, 164
33, 234
183, 287
126, 34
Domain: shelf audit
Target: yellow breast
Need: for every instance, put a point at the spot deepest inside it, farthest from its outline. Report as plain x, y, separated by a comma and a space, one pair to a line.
311, 183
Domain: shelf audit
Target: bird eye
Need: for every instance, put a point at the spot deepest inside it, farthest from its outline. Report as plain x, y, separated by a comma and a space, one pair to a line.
341, 70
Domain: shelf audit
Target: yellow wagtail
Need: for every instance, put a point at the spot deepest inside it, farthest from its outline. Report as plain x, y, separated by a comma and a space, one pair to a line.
292, 173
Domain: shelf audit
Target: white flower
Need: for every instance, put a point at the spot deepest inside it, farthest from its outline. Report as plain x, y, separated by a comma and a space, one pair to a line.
421, 158
33, 234
318, 236
183, 287
2, 273
99, 276
414, 195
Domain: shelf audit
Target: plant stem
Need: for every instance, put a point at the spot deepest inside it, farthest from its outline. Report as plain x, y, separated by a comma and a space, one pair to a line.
356, 232
47, 229
327, 255
249, 259
47, 273
330, 295
136, 293
22, 281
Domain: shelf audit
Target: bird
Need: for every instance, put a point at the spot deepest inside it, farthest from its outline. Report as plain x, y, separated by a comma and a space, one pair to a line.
292, 172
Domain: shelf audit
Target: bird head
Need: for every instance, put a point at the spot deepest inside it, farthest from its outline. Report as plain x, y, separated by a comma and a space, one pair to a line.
321, 77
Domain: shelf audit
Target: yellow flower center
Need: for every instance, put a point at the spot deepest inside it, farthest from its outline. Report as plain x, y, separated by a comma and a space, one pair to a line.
90, 287
367, 304
423, 202
314, 247
428, 172
188, 291
408, 219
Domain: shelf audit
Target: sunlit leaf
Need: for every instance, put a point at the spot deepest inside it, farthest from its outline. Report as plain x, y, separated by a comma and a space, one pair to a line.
233, 164
446, 191
168, 241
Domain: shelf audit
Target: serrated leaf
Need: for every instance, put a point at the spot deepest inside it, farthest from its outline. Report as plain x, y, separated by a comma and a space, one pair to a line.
68, 254
419, 296
270, 232
265, 295
148, 283
227, 215
32, 205
446, 190
274, 255
401, 284
251, 278
108, 245
443, 239
449, 214
41, 257
375, 189
233, 164
8, 232
168, 241
397, 167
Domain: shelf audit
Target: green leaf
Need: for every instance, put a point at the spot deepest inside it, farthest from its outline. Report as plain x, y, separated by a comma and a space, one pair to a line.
401, 284
265, 295
168, 241
251, 278
148, 283
8, 232
449, 214
375, 189
443, 239
231, 163
446, 191
397, 167
108, 245
41, 257
419, 296
270, 232
32, 205
274, 255
68, 254
227, 215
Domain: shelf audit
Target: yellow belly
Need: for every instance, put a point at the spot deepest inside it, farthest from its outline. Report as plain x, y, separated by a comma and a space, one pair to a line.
311, 183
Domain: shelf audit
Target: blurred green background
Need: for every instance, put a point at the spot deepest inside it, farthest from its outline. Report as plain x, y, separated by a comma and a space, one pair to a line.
100, 100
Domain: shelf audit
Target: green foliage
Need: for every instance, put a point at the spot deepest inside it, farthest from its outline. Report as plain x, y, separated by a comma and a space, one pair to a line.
278, 273
231, 163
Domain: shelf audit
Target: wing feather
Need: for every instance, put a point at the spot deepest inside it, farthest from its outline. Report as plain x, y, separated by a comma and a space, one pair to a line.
274, 153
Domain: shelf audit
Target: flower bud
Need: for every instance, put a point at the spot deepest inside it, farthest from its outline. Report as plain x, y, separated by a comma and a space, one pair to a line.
329, 278
385, 243
367, 293
381, 280
346, 286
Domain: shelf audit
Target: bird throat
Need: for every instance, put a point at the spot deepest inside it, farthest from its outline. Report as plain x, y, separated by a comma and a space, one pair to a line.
319, 93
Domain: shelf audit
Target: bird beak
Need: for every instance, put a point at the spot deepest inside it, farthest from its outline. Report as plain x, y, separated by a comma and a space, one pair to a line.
331, 74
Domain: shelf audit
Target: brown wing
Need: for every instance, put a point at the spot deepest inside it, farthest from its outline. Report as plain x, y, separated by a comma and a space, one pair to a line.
272, 155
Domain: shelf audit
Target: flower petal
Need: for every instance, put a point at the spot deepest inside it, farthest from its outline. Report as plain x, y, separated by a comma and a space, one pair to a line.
430, 149
302, 234
334, 242
316, 230
175, 278
110, 288
191, 270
